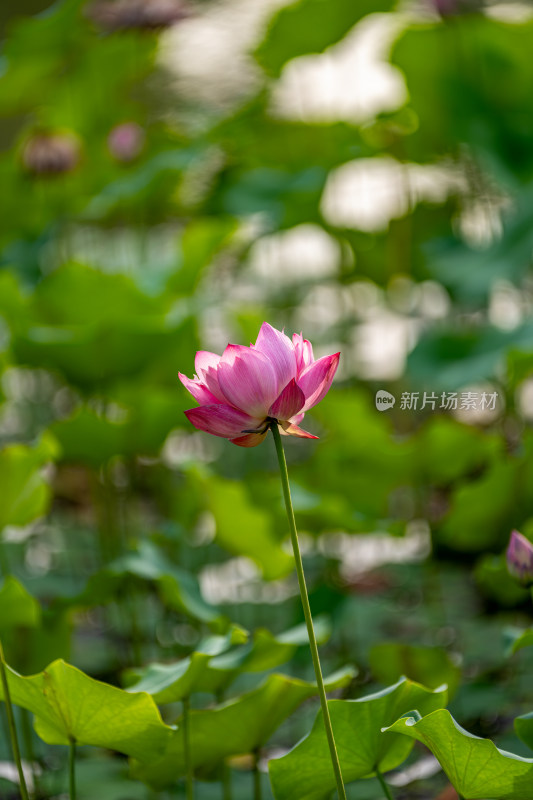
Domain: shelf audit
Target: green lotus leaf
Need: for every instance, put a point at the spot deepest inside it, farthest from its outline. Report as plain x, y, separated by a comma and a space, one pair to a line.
430, 666
70, 706
24, 492
523, 726
265, 651
235, 517
217, 662
309, 26
476, 767
306, 771
178, 588
18, 608
516, 639
168, 683
233, 728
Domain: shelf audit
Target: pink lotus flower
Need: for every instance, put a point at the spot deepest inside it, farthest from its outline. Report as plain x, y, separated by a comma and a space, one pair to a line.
520, 558
242, 392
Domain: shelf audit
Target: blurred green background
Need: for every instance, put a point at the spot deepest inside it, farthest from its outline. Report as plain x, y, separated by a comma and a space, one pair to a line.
173, 175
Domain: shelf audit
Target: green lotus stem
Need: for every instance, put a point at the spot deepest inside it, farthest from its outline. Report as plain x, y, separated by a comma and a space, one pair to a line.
11, 724
4, 562
189, 777
257, 777
28, 747
384, 785
307, 611
72, 769
227, 789
226, 782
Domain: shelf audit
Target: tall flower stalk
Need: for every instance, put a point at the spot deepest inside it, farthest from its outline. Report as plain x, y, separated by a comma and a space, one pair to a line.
244, 394
72, 769
307, 610
12, 727
189, 774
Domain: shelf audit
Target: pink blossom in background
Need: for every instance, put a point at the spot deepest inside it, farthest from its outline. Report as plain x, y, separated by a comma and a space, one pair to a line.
242, 391
126, 141
520, 558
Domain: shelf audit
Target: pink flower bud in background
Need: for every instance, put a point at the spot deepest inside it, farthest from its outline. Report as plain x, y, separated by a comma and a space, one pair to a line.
126, 141
242, 392
51, 153
520, 558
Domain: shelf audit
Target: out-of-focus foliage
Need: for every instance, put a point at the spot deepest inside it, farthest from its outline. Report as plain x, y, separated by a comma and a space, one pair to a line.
150, 209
